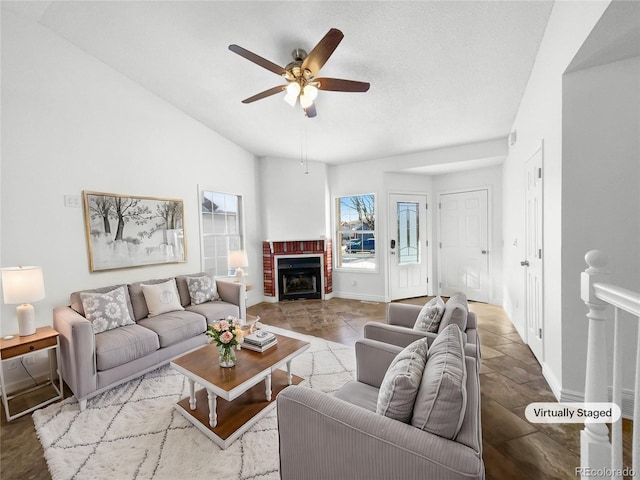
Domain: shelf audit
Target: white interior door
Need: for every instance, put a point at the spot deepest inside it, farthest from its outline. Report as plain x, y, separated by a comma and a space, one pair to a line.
463, 248
533, 253
407, 246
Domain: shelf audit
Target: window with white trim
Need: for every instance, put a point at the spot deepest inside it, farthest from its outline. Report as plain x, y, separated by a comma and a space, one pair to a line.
221, 228
356, 232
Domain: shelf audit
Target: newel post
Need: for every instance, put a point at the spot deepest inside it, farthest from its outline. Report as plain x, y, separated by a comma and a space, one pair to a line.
595, 449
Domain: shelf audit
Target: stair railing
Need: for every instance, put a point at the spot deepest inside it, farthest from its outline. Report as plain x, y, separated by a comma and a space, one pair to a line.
598, 455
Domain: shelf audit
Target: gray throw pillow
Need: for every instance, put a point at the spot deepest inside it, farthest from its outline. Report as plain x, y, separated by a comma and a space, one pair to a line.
441, 401
401, 382
430, 316
202, 289
456, 311
106, 311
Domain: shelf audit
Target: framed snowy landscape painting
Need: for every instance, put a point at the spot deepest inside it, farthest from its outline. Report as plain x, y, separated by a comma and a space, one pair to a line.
126, 231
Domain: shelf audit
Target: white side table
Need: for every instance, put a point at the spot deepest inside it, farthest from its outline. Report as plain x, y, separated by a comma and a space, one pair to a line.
45, 339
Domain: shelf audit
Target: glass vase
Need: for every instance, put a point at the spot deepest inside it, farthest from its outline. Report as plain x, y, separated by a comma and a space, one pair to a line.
227, 355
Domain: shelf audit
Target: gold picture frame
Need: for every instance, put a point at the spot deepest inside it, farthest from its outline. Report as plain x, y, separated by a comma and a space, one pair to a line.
125, 231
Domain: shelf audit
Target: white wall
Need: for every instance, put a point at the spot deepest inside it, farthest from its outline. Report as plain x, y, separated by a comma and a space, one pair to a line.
490, 178
70, 123
294, 204
379, 176
356, 179
540, 117
600, 197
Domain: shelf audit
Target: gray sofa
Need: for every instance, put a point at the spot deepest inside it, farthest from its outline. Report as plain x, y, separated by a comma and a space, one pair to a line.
94, 362
343, 436
401, 318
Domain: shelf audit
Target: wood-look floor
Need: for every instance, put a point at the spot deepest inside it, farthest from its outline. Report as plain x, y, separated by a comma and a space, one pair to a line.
510, 378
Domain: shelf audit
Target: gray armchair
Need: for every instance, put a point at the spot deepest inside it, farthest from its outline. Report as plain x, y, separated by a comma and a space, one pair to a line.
342, 436
401, 318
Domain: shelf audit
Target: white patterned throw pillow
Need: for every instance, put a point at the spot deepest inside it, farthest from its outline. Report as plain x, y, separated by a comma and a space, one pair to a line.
430, 316
202, 289
161, 297
106, 311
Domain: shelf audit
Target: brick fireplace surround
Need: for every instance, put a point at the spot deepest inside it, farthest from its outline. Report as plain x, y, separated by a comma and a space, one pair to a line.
271, 250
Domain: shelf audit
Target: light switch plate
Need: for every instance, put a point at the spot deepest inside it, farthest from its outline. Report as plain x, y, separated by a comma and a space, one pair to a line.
72, 201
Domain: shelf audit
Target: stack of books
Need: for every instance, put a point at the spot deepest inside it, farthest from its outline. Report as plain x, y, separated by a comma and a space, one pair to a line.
259, 341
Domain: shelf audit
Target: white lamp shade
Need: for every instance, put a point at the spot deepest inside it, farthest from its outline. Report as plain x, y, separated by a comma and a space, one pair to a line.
22, 285
311, 91
305, 101
293, 90
238, 259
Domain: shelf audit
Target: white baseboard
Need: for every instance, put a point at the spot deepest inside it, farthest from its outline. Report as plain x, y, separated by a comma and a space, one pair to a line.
627, 399
551, 379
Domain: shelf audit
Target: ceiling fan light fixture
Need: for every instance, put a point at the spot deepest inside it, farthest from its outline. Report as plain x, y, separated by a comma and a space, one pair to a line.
310, 91
293, 90
305, 101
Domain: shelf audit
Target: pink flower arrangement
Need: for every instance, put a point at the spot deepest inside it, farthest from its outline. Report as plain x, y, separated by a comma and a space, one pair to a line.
226, 332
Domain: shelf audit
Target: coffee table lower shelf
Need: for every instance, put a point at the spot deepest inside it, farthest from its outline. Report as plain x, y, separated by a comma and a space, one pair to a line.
237, 416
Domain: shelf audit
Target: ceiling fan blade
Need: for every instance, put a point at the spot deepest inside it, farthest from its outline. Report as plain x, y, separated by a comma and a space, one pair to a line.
322, 51
266, 93
257, 59
339, 85
311, 111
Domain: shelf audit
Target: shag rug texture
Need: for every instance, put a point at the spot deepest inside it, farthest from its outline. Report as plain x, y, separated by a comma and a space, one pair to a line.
133, 431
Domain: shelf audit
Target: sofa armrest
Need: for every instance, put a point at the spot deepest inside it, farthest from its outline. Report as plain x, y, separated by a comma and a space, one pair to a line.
235, 293
372, 360
402, 314
323, 437
77, 351
472, 320
395, 335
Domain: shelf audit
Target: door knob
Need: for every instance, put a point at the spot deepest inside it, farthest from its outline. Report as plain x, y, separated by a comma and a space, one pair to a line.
525, 263
484, 252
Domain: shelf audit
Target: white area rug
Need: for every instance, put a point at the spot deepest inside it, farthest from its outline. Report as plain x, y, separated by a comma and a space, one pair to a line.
134, 432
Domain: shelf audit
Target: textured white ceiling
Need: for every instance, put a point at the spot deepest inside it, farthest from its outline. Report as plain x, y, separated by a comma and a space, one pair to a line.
442, 73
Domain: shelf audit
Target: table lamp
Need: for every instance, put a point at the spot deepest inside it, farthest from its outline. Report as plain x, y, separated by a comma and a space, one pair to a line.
237, 260
22, 285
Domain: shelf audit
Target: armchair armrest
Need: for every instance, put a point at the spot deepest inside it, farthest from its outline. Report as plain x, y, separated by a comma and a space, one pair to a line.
472, 320
235, 293
323, 437
373, 359
77, 351
402, 314
394, 334
402, 336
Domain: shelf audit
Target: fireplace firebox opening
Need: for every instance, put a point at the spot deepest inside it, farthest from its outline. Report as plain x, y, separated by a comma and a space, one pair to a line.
299, 278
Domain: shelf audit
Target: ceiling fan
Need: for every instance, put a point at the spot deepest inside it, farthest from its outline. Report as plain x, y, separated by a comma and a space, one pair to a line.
301, 74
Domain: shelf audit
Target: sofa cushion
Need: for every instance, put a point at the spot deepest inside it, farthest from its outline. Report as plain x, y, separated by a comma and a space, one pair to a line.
202, 289
183, 287
430, 316
173, 327
76, 301
161, 297
360, 394
401, 382
108, 310
442, 398
214, 311
123, 345
455, 311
